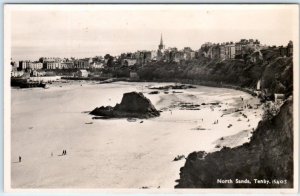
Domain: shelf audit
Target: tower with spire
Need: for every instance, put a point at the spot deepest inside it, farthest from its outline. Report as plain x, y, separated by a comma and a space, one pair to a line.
161, 45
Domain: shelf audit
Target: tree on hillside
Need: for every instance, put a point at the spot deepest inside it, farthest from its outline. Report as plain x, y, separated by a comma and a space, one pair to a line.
109, 59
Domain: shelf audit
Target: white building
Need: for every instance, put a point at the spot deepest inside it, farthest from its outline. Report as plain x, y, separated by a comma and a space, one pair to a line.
35, 65
36, 73
97, 65
52, 65
17, 73
129, 62
134, 75
258, 85
230, 51
83, 63
67, 65
279, 98
82, 73
24, 64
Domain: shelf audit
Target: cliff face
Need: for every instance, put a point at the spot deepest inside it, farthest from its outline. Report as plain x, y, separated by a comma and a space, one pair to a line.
278, 75
268, 156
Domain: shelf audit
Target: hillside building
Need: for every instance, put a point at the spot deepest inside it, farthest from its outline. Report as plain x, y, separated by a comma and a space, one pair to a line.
129, 62
82, 73
52, 65
23, 65
83, 63
35, 65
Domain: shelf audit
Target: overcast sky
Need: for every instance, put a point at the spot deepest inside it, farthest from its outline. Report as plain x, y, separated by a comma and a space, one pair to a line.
84, 31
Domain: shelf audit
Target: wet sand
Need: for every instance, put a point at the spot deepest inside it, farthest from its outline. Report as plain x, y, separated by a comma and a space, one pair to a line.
116, 153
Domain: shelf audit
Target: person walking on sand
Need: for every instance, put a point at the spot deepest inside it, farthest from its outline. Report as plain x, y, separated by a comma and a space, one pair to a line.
20, 159
65, 152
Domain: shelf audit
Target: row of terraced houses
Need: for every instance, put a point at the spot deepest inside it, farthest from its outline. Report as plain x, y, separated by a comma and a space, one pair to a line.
58, 63
239, 50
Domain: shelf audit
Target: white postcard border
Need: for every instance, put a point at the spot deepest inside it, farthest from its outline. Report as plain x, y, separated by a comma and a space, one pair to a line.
7, 116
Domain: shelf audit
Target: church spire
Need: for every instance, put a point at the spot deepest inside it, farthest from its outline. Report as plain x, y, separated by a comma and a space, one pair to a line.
161, 45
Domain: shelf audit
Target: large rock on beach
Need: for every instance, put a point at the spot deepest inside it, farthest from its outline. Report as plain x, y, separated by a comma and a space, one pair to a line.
133, 105
103, 111
268, 156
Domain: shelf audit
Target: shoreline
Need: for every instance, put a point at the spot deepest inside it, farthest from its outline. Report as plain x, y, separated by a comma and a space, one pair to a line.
205, 83
183, 81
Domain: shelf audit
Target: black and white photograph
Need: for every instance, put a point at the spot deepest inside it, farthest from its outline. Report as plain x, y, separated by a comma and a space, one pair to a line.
182, 98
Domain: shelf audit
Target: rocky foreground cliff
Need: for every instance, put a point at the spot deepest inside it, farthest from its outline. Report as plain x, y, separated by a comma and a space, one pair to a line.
268, 157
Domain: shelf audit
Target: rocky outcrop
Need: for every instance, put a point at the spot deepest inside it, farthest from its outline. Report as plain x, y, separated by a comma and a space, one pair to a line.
133, 105
268, 156
167, 87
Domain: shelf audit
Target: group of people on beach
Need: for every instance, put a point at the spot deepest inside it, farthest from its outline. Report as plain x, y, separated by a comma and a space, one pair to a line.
248, 106
64, 152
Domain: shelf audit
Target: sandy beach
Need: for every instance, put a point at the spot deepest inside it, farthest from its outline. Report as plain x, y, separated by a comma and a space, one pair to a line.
116, 153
